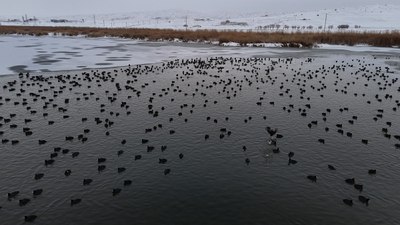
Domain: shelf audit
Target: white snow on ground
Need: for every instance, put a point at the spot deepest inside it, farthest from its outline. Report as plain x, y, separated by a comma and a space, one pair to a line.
370, 18
54, 53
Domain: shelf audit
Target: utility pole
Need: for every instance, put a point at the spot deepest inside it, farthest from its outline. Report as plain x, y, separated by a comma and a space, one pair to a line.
94, 19
326, 17
186, 25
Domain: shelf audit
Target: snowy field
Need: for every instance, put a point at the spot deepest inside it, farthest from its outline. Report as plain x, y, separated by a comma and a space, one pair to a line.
52, 53
368, 18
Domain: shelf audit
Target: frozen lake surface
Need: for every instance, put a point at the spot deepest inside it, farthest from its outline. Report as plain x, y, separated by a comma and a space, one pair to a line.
50, 53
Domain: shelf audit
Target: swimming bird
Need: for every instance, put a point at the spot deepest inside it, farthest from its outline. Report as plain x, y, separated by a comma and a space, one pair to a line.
30, 218
358, 187
350, 181
37, 192
272, 142
275, 150
24, 201
75, 201
127, 182
271, 131
121, 169
348, 202
67, 173
116, 191
101, 168
39, 176
48, 162
363, 199
12, 194
87, 181
313, 178
292, 161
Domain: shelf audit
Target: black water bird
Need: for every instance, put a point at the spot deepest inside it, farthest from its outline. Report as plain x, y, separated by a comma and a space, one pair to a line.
363, 199
313, 178
38, 176
87, 181
101, 160
127, 182
30, 218
67, 173
12, 194
348, 202
350, 181
292, 161
101, 168
75, 201
24, 201
271, 131
331, 167
37, 192
359, 187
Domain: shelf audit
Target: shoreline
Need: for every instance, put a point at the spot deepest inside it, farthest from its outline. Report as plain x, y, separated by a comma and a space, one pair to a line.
238, 38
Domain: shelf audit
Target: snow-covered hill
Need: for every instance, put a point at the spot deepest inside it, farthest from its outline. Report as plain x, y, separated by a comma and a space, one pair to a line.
370, 18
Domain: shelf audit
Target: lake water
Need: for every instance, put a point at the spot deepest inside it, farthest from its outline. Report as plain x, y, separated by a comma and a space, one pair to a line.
216, 181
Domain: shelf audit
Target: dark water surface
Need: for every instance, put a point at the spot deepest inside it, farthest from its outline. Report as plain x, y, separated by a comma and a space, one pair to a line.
212, 183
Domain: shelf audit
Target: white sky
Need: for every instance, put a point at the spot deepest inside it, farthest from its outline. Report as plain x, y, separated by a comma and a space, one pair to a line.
75, 7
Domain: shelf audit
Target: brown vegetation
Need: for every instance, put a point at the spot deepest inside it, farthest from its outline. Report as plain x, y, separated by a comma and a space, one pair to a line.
305, 39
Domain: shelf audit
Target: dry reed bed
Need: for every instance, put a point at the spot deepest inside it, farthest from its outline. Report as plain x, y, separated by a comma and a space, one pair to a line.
297, 39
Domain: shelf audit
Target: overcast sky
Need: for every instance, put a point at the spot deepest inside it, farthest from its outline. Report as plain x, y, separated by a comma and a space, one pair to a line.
74, 7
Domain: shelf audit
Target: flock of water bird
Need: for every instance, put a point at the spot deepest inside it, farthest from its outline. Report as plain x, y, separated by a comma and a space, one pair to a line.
114, 92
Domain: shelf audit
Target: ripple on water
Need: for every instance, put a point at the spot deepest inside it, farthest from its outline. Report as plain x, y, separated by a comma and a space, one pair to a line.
211, 184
